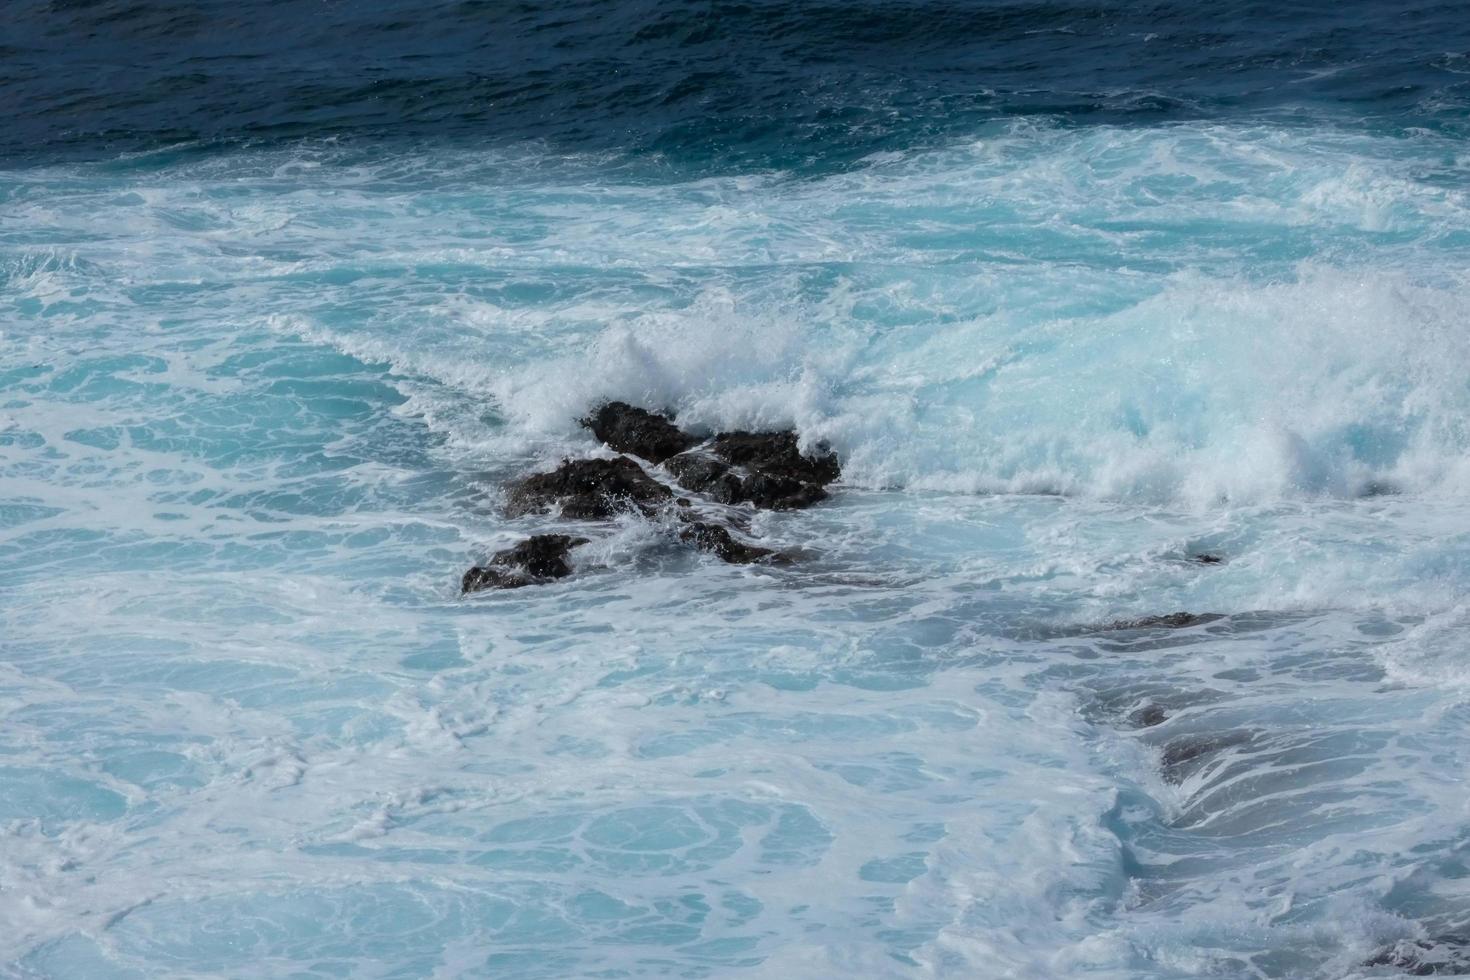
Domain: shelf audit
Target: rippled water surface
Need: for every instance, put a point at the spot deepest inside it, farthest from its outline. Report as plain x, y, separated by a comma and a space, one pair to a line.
284, 305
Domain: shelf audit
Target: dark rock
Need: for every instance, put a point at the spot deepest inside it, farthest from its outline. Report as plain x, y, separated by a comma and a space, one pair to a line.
721, 543
765, 469
1378, 488
589, 489
720, 481
1148, 716
537, 559
780, 492
629, 429
542, 556
704, 474
1173, 621
776, 454
1207, 559
1181, 751
479, 578
1446, 956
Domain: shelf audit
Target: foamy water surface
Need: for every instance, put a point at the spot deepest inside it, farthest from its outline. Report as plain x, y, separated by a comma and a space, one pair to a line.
256, 406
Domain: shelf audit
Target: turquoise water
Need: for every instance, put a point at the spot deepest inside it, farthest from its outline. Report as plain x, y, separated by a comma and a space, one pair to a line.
256, 406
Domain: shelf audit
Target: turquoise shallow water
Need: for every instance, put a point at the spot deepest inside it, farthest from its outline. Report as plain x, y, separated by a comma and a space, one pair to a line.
255, 408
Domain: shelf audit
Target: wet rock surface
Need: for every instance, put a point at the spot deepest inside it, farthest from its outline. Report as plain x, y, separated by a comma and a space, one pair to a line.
765, 470
776, 454
1182, 756
1148, 716
541, 558
720, 542
1173, 621
702, 473
589, 489
721, 482
629, 429
1445, 956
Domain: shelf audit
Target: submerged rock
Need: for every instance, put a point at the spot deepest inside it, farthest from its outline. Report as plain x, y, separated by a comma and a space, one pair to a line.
1173, 621
589, 489
1148, 716
1207, 559
1444, 956
630, 429
541, 558
1178, 754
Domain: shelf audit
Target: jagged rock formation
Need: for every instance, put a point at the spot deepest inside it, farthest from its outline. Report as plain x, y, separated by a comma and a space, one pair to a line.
765, 470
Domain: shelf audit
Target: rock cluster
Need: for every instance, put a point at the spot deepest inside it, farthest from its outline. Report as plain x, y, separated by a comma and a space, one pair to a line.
764, 470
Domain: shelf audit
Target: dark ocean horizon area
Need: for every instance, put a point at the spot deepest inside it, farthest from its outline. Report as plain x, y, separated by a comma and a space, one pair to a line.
706, 85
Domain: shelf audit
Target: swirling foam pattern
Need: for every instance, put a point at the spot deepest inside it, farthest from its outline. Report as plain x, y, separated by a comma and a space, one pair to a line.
257, 397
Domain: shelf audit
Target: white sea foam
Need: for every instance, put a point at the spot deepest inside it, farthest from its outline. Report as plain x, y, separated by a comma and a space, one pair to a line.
251, 432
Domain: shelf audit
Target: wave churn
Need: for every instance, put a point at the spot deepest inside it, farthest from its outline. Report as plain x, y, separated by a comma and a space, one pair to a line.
1070, 320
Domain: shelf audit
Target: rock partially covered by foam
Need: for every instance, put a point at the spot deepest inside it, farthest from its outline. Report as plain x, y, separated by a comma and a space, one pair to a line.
1440, 956
589, 489
719, 542
1185, 755
537, 559
1147, 716
1173, 621
630, 429
764, 469
776, 454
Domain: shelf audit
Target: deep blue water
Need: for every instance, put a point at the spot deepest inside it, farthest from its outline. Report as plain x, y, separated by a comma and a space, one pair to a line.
1078, 293
721, 85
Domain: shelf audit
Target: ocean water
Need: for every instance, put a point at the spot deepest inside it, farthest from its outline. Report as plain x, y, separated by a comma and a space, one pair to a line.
1077, 292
